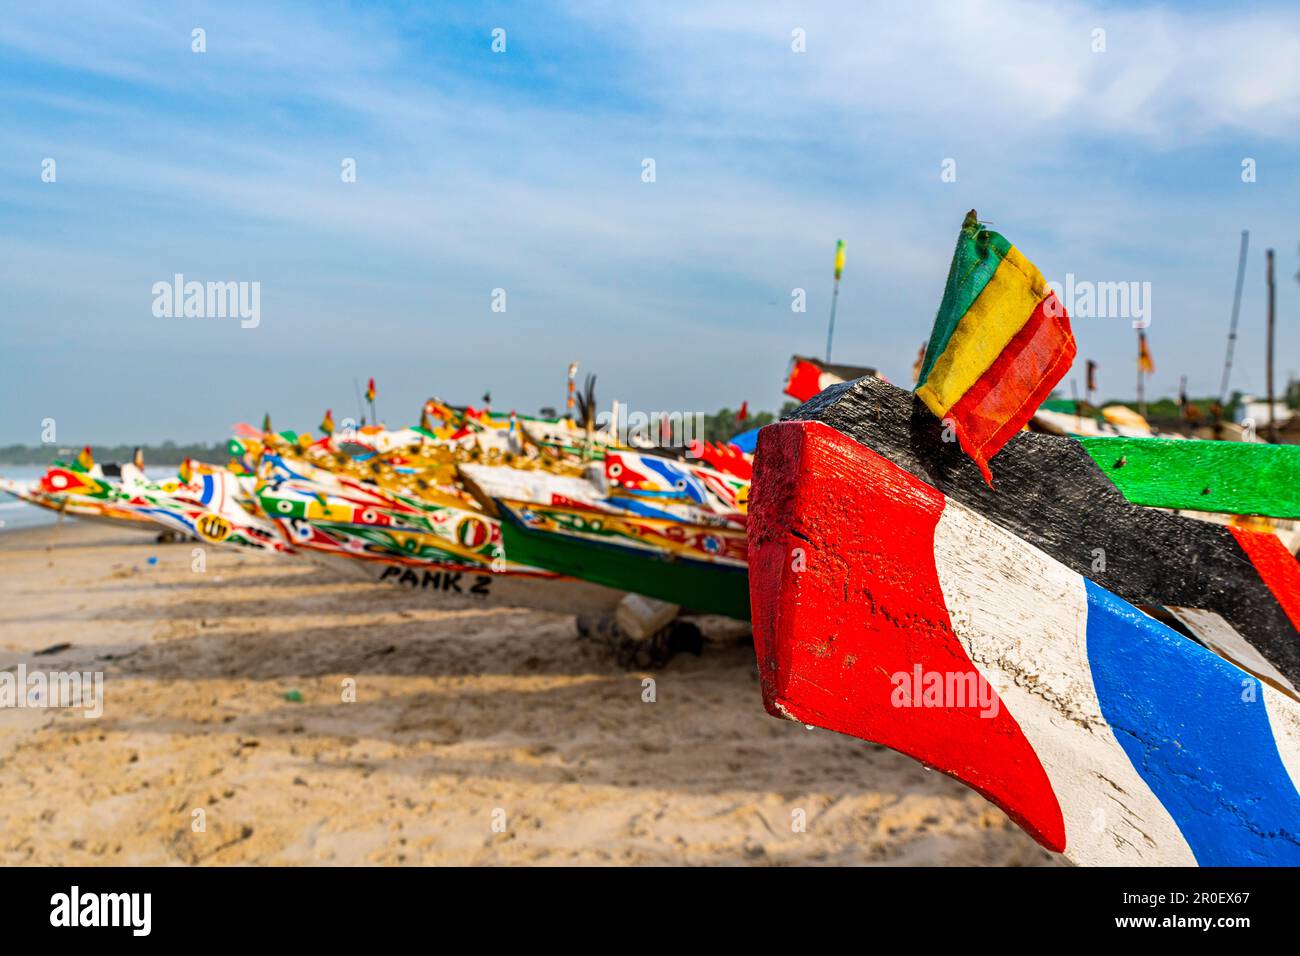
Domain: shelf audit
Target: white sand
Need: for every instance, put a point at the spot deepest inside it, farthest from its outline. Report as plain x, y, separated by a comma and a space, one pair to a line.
461, 717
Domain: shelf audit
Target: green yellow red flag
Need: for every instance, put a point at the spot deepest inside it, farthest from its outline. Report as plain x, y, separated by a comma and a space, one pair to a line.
327, 423
370, 390
1001, 341
839, 258
85, 460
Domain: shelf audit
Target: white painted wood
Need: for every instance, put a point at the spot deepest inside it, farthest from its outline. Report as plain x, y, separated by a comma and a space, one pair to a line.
1022, 618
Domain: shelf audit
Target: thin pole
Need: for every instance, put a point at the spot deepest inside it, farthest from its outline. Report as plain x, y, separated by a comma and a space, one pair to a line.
1236, 310
1272, 297
1142, 402
835, 295
573, 373
830, 332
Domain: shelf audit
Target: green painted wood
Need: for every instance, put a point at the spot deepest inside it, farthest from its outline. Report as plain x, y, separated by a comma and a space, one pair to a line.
695, 585
1238, 478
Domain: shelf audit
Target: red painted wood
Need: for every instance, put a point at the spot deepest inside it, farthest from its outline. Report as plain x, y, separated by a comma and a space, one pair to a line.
867, 605
1276, 566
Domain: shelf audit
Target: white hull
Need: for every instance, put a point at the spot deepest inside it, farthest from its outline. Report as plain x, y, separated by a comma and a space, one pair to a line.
457, 588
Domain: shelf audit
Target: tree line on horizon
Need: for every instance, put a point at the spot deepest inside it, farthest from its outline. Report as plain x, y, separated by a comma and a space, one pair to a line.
718, 427
168, 453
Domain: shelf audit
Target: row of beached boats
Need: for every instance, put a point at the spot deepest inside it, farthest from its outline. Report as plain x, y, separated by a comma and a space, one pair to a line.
1098, 630
467, 506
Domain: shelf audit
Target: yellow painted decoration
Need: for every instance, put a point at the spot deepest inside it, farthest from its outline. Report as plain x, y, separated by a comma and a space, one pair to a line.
1001, 310
213, 527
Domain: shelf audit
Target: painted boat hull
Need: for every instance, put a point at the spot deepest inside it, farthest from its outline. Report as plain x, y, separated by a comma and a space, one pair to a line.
1050, 493
890, 611
455, 586
99, 512
704, 586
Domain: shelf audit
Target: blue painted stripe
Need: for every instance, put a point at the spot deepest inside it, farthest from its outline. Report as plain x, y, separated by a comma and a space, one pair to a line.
675, 476
209, 487
639, 508
174, 518
1197, 732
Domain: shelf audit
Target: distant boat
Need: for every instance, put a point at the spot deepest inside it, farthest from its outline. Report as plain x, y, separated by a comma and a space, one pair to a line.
87, 495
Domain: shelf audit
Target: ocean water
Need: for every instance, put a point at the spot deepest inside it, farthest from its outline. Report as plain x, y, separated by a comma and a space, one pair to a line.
15, 514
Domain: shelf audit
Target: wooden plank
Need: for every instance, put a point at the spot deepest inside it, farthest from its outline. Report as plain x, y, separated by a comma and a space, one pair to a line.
1217, 634
1239, 478
887, 610
1049, 492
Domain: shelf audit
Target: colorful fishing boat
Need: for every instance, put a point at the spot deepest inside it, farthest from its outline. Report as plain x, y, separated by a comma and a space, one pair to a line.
660, 527
83, 489
1077, 502
1015, 610
206, 502
889, 610
699, 567
439, 543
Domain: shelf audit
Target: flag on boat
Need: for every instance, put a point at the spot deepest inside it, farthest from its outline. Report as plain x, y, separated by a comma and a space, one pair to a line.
327, 423
1144, 355
839, 258
1001, 341
185, 473
266, 423
370, 390
85, 460
808, 376
743, 414
805, 380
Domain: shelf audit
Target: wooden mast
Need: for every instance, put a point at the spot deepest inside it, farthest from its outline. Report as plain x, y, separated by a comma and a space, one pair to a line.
1272, 302
1232, 326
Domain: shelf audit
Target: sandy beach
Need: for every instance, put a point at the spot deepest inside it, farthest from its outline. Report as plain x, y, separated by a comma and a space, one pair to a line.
225, 693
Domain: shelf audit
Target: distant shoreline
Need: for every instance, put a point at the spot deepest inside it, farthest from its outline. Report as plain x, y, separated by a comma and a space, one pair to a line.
148, 465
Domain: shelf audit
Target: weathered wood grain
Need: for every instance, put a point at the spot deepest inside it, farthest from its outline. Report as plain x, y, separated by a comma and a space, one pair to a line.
1049, 492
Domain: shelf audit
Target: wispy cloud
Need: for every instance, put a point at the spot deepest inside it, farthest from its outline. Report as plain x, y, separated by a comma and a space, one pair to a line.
522, 171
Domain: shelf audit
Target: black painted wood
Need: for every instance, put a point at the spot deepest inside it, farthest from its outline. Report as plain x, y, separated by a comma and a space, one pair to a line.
1049, 492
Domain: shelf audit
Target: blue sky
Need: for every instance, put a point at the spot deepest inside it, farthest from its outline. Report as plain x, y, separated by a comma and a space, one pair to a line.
522, 171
